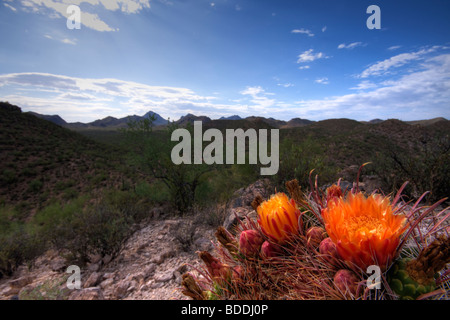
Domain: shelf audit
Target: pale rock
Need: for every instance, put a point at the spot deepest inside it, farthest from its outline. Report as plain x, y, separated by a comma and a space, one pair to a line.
21, 282
164, 277
93, 293
93, 279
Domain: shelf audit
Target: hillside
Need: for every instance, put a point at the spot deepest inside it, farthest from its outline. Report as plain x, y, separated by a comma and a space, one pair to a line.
41, 161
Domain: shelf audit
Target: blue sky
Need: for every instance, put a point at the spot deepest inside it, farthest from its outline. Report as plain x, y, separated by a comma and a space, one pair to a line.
271, 58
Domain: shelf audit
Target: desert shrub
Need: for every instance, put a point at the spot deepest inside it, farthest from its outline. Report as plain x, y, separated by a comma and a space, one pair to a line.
156, 191
426, 169
19, 243
184, 233
9, 176
53, 289
150, 154
70, 193
218, 186
297, 159
35, 186
81, 230
99, 230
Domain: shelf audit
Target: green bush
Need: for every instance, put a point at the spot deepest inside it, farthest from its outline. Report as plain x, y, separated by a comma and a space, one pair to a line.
297, 159
35, 186
19, 242
102, 230
8, 176
82, 229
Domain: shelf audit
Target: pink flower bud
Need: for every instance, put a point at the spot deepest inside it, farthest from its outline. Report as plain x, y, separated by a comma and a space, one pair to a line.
250, 242
215, 267
315, 235
328, 249
346, 281
269, 250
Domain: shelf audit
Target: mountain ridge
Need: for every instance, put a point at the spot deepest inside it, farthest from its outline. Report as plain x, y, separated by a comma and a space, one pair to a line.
111, 122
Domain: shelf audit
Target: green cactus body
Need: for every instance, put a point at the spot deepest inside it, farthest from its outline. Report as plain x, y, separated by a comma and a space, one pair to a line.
403, 285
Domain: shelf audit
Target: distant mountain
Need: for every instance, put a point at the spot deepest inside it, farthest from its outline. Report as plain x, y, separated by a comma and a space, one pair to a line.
111, 122
53, 118
297, 122
426, 122
159, 121
190, 118
271, 121
235, 117
106, 122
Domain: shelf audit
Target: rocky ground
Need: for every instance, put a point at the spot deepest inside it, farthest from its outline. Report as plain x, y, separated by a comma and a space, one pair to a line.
148, 268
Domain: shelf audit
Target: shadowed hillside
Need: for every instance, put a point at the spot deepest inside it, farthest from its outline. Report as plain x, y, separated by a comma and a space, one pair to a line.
41, 161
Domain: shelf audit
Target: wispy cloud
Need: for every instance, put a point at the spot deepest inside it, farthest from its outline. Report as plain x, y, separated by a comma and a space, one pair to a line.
324, 28
323, 80
310, 56
383, 67
285, 85
10, 7
72, 41
259, 98
392, 48
303, 31
58, 9
79, 96
350, 45
364, 85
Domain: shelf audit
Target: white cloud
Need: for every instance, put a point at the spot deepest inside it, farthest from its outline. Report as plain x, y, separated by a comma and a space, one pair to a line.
259, 98
364, 85
83, 96
350, 45
382, 67
10, 7
303, 31
323, 80
392, 48
72, 41
69, 41
304, 67
285, 85
58, 8
324, 28
309, 56
422, 94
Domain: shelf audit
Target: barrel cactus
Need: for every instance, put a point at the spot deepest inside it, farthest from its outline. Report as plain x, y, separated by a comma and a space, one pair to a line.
411, 278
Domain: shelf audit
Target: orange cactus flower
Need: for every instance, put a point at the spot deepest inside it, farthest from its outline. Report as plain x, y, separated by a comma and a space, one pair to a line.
278, 217
365, 230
